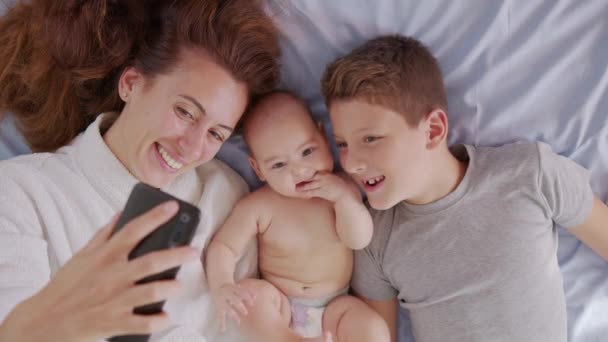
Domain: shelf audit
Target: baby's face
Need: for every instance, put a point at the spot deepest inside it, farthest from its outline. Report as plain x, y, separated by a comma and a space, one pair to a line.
289, 151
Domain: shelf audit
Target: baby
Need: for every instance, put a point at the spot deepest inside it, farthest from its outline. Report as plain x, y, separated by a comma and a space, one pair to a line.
307, 221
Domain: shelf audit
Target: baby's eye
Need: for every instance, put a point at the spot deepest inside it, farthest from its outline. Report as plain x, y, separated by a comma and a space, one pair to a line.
217, 136
277, 166
341, 144
307, 151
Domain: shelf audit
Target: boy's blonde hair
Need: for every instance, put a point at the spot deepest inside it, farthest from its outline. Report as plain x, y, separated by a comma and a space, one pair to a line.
396, 72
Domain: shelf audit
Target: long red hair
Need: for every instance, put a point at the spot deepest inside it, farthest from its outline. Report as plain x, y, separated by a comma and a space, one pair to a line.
60, 60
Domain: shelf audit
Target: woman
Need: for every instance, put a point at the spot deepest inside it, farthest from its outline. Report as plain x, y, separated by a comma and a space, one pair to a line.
172, 79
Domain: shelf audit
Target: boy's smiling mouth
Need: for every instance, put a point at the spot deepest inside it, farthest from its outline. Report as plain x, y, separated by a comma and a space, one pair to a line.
373, 183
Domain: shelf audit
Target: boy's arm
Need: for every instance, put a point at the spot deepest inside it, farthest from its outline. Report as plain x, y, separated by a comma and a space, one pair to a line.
388, 310
594, 231
230, 242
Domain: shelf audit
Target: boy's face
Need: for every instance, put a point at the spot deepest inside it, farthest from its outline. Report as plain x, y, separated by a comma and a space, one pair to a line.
387, 157
288, 151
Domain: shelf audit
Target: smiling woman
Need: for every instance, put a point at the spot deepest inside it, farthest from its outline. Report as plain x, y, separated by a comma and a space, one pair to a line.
119, 92
177, 121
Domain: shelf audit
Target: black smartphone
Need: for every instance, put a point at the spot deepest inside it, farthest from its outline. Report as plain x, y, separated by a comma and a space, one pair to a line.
178, 231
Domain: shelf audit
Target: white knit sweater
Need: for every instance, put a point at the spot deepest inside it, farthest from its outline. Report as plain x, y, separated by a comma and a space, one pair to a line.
51, 204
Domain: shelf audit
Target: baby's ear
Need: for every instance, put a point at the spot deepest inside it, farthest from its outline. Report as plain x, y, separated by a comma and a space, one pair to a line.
322, 130
256, 168
321, 127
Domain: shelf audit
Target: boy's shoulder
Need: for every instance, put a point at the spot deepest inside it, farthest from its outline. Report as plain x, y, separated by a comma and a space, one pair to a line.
518, 159
516, 152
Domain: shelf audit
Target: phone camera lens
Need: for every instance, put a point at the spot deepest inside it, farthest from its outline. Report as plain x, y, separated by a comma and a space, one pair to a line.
184, 217
178, 234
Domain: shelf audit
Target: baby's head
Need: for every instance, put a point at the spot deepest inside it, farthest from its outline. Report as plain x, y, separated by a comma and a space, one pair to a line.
388, 107
287, 147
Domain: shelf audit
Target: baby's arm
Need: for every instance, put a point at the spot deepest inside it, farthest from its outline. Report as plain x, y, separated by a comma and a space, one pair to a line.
594, 231
353, 222
223, 253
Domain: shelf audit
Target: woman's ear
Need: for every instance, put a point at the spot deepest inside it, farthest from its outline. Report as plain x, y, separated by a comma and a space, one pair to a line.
130, 80
436, 128
256, 168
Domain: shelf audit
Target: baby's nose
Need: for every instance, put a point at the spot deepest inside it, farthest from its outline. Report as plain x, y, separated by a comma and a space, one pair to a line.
303, 172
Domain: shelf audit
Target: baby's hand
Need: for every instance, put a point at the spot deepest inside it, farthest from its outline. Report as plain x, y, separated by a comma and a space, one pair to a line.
233, 300
326, 185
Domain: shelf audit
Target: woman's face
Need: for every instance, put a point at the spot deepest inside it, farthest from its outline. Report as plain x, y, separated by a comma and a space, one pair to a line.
177, 121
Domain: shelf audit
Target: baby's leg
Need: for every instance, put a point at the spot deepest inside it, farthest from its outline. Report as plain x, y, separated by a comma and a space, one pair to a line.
269, 318
351, 320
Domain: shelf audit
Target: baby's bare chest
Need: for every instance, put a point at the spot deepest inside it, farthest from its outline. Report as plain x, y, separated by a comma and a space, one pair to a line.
301, 227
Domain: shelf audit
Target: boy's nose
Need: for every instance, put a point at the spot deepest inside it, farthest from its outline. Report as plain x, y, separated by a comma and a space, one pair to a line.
351, 164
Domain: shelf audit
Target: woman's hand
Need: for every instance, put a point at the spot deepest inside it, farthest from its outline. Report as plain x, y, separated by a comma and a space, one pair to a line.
93, 295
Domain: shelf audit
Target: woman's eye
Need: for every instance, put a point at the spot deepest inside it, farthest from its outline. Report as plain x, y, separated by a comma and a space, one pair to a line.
217, 136
184, 113
277, 166
307, 151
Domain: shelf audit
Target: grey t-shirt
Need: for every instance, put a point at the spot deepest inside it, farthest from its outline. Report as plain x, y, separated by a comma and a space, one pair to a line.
480, 264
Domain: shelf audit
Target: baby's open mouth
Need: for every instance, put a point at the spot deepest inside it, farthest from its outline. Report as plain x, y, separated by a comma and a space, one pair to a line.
302, 183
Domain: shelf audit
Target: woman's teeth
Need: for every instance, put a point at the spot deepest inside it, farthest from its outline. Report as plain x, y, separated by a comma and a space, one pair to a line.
167, 158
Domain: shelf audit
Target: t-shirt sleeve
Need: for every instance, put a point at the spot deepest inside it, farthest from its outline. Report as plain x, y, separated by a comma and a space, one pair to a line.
565, 187
368, 278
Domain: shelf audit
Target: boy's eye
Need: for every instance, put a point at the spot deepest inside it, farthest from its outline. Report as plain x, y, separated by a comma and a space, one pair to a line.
277, 166
307, 151
217, 136
369, 139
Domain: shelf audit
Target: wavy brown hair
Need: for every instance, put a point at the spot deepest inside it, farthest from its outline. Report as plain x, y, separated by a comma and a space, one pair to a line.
60, 61
396, 72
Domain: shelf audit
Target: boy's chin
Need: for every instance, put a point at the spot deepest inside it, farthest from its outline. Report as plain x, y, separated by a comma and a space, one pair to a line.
381, 203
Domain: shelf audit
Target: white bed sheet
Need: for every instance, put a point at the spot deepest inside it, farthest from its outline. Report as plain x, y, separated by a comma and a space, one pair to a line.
514, 70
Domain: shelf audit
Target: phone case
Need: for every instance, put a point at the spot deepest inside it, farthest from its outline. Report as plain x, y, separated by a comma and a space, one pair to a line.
178, 231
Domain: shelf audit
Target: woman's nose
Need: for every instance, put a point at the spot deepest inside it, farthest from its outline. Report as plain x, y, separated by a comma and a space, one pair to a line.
192, 144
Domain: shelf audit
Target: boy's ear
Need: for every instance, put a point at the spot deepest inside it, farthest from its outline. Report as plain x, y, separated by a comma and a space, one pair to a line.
436, 123
254, 165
